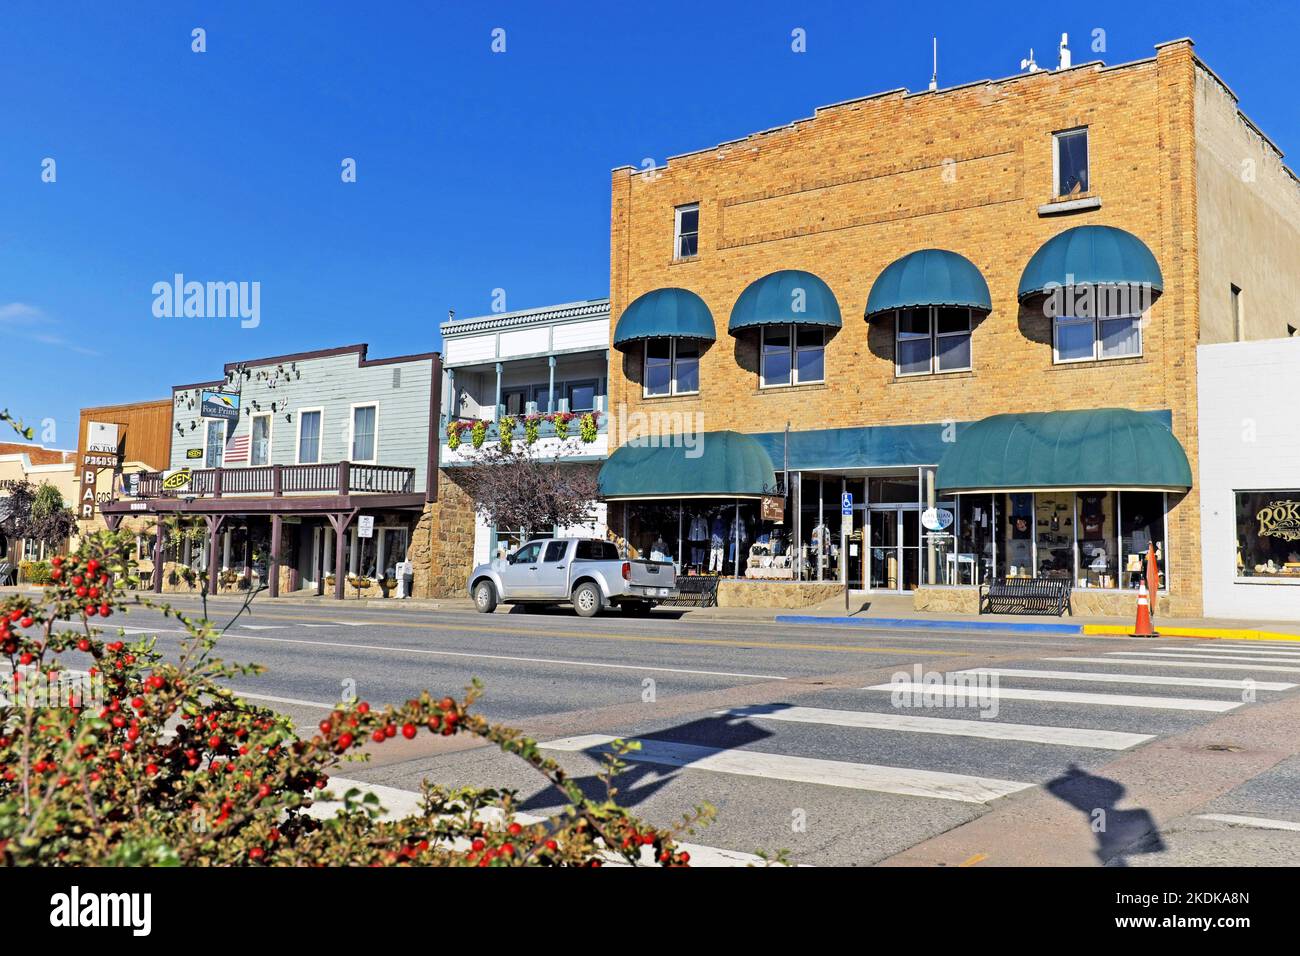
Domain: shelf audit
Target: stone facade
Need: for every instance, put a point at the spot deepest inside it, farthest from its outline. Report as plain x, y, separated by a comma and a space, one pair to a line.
442, 544
859, 184
1084, 603
792, 594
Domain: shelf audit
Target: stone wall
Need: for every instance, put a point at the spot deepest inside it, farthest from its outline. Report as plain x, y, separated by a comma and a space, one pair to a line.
745, 593
1083, 603
442, 544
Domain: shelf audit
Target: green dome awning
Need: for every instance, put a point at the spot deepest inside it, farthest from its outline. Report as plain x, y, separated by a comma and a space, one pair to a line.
724, 464
929, 277
785, 297
1097, 448
662, 314
1091, 255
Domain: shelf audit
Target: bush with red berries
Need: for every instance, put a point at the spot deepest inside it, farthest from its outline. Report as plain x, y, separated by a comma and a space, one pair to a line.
140, 760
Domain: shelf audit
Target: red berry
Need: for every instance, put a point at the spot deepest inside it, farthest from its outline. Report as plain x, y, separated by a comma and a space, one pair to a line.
478, 844
390, 730
363, 708
137, 703
345, 741
446, 704
26, 622
514, 829
151, 769
552, 845
264, 791
105, 610
379, 736
25, 658
92, 566
83, 645
408, 731
256, 853
90, 610
324, 726
214, 742
56, 560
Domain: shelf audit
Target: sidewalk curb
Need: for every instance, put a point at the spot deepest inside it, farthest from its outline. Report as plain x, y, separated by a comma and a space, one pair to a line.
1092, 630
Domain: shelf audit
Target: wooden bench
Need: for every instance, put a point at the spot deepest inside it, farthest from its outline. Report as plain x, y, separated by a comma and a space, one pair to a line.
1026, 596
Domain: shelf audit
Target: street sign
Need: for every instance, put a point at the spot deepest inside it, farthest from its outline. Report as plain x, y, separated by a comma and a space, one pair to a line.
366, 526
846, 504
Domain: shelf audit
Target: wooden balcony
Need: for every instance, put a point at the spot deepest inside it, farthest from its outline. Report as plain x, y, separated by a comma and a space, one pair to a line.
338, 478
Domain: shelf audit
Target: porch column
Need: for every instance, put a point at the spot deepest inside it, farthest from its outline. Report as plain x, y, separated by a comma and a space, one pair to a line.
273, 560
379, 554
735, 533
214, 531
453, 406
931, 553
550, 393
496, 406
339, 522
225, 551
158, 545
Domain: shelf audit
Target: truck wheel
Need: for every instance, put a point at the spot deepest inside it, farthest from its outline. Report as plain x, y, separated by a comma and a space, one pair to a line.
485, 597
587, 600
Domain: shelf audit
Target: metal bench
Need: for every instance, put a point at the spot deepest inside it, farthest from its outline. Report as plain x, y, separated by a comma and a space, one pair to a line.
694, 590
1026, 596
7, 573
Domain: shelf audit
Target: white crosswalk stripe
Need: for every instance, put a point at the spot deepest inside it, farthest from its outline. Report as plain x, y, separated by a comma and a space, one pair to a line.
949, 726
1237, 684
1206, 665
1201, 657
1074, 697
1209, 651
1261, 823
834, 773
263, 627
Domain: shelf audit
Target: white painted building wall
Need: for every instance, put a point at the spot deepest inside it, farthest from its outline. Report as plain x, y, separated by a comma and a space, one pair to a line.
1249, 397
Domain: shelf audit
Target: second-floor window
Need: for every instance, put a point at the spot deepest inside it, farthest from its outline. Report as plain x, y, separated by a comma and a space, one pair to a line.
792, 355
932, 339
364, 418
261, 450
672, 367
309, 436
686, 242
1070, 155
1093, 338
216, 442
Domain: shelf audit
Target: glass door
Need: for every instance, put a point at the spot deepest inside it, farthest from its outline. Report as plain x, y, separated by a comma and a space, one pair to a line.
883, 553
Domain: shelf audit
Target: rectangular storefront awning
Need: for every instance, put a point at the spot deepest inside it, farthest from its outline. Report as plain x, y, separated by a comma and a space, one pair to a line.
875, 446
714, 464
1115, 448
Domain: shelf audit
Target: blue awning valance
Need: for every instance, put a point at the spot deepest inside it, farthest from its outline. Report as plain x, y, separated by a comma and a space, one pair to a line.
719, 464
1091, 256
664, 313
790, 296
929, 277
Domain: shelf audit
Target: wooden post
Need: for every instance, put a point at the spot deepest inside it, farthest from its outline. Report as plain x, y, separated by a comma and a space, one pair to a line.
277, 480
214, 562
273, 564
216, 482
158, 551
345, 476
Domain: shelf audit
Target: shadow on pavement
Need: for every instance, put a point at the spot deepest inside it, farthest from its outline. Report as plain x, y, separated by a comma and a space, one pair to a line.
1120, 833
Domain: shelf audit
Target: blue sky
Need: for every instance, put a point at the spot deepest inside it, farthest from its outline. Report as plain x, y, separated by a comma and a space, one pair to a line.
475, 170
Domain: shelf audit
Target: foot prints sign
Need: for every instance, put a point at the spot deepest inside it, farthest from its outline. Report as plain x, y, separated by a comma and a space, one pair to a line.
101, 451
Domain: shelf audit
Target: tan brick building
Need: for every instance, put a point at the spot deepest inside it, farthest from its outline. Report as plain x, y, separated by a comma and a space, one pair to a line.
1196, 213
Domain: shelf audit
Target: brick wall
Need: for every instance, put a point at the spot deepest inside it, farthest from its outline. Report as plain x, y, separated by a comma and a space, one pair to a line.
860, 184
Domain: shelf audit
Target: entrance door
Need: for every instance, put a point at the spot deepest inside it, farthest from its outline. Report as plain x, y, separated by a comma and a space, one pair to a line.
894, 553
309, 554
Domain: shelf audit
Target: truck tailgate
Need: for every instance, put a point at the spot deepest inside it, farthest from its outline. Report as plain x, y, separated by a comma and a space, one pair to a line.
652, 574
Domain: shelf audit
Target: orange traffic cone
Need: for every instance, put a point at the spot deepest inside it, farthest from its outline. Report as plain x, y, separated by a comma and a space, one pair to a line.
1143, 626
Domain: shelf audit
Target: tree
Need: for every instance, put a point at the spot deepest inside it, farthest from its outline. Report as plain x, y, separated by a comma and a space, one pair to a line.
513, 487
38, 513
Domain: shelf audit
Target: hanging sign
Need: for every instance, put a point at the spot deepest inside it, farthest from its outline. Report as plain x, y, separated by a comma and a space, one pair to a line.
176, 480
936, 519
224, 405
772, 508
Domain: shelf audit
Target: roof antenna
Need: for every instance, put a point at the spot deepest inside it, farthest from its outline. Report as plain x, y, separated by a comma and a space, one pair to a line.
1029, 66
1064, 62
934, 77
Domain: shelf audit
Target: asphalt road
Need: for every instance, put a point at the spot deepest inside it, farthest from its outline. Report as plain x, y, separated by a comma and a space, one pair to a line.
1107, 759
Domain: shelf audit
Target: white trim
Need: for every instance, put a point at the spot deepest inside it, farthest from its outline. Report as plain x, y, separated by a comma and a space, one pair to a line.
320, 436
792, 328
672, 368
1096, 320
934, 335
352, 427
207, 441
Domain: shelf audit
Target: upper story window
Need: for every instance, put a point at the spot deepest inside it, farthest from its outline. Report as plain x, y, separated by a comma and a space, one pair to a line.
309, 422
932, 339
1070, 161
686, 241
581, 395
216, 442
672, 367
1114, 334
792, 355
364, 420
261, 448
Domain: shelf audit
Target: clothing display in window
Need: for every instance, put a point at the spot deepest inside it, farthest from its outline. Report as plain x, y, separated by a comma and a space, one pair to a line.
698, 534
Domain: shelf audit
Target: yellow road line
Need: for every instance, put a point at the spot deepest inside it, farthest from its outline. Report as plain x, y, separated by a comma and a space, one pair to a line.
709, 642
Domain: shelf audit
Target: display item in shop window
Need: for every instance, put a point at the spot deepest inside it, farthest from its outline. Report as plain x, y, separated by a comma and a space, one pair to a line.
699, 529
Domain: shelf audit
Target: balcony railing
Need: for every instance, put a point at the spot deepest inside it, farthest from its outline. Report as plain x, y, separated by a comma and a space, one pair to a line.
341, 478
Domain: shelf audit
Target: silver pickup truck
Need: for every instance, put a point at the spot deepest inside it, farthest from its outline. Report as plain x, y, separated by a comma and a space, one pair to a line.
587, 572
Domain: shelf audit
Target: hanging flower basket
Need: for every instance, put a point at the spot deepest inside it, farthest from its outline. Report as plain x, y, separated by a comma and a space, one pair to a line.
506, 427
453, 434
589, 426
532, 428
478, 433
561, 422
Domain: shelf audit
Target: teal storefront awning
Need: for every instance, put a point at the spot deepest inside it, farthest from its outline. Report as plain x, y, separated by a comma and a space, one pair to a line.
1098, 448
929, 277
790, 296
1091, 256
662, 314
721, 464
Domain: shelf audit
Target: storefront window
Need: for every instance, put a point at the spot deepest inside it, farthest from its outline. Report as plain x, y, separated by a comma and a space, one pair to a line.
1098, 558
1016, 544
973, 560
704, 536
1268, 534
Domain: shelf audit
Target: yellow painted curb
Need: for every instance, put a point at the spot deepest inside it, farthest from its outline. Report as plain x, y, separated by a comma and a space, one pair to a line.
1221, 633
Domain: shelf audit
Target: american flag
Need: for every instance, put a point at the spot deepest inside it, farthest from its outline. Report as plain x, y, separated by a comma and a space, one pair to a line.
237, 449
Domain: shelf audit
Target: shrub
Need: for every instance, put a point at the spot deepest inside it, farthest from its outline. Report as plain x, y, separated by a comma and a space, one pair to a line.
34, 572
168, 767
